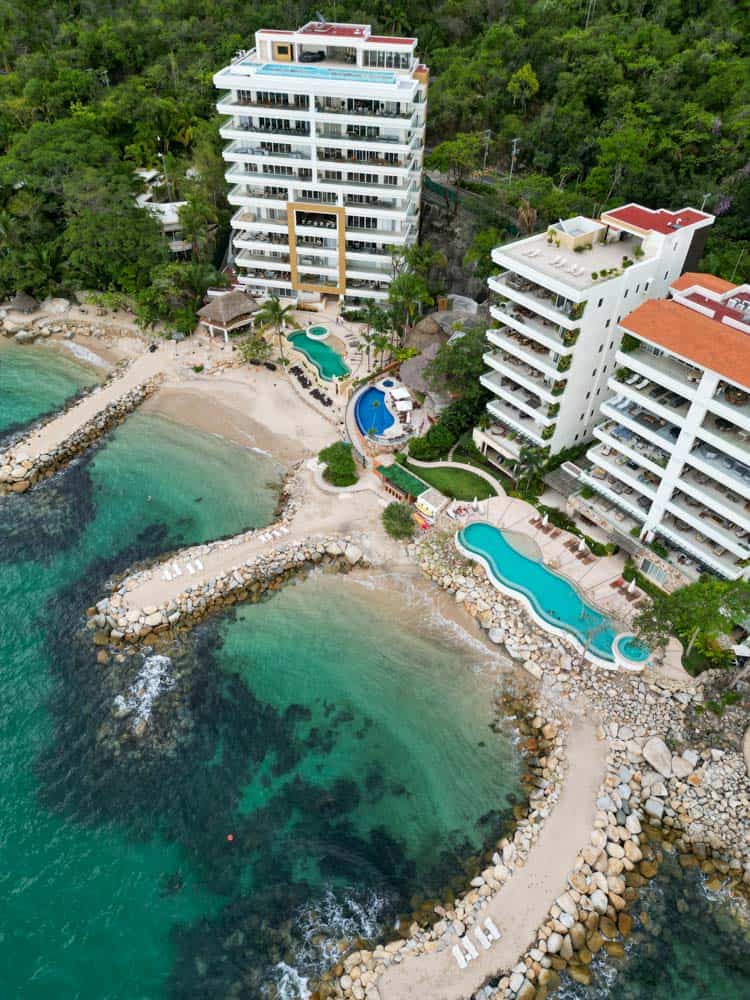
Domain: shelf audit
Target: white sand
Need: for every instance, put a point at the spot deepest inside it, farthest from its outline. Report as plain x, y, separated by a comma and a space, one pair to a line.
522, 904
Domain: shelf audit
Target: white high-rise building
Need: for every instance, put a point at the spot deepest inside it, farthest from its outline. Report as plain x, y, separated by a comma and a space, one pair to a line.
556, 306
325, 148
672, 459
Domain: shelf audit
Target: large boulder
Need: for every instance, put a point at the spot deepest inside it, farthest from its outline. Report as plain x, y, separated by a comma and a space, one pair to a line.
25, 337
658, 755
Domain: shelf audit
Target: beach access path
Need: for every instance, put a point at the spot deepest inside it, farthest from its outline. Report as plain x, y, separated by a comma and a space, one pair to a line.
522, 904
60, 428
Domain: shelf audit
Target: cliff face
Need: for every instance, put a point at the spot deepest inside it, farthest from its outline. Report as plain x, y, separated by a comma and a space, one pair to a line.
453, 234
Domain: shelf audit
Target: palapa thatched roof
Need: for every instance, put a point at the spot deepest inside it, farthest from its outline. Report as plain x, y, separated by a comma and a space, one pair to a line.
22, 302
225, 309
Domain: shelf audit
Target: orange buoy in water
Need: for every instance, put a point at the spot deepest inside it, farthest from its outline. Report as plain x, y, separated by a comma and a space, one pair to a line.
230, 837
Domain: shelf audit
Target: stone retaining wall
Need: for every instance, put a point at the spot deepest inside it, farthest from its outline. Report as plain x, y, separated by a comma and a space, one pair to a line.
18, 472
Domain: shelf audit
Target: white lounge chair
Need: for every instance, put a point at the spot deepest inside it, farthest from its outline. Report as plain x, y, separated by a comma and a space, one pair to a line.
459, 957
176, 569
198, 564
166, 575
492, 930
190, 568
470, 947
482, 938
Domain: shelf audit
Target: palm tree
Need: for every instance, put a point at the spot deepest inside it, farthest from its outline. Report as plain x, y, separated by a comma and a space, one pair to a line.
529, 468
407, 294
273, 314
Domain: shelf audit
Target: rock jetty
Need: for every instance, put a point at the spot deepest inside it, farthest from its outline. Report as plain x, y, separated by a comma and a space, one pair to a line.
21, 465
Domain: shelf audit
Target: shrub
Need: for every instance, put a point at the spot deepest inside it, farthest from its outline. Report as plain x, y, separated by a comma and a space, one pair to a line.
398, 520
436, 443
586, 492
198, 369
340, 468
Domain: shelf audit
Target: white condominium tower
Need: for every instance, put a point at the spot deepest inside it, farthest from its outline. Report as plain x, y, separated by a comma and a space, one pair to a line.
556, 305
325, 147
671, 465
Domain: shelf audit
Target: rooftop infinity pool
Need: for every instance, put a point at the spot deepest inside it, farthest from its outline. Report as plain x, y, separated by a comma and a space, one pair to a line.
553, 599
329, 363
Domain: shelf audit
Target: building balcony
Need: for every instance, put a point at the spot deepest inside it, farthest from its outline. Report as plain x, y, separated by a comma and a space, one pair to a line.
240, 194
731, 403
264, 279
401, 118
709, 493
626, 469
336, 158
655, 429
632, 445
520, 422
239, 176
356, 249
502, 441
386, 236
649, 396
663, 369
522, 374
249, 259
726, 437
706, 554
527, 401
623, 496
248, 130
542, 302
397, 142
527, 350
357, 268
547, 334
715, 464
709, 525
233, 99
240, 151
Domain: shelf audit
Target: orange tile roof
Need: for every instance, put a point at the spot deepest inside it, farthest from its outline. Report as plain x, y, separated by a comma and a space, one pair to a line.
708, 281
660, 220
683, 331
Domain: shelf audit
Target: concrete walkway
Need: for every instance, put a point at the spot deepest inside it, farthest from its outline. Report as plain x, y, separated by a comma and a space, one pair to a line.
57, 431
522, 904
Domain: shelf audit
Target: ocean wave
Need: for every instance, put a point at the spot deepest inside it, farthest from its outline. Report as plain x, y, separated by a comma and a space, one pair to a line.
290, 985
84, 354
153, 679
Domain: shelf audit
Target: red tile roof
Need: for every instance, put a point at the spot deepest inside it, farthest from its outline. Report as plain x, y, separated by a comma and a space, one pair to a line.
274, 31
659, 221
707, 281
679, 329
335, 30
388, 40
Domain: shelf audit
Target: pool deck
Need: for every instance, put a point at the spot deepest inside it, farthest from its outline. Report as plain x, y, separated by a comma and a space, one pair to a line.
594, 580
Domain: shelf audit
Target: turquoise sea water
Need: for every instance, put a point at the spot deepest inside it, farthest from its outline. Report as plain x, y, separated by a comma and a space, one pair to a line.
338, 737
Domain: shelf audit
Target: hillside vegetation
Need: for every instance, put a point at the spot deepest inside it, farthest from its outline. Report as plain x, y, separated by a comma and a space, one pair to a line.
650, 101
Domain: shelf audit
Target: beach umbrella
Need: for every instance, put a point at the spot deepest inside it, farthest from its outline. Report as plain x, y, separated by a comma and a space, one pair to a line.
545, 520
581, 546
631, 587
475, 504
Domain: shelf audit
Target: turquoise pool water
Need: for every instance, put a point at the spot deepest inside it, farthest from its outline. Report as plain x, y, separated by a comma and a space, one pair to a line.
327, 73
318, 331
553, 597
632, 648
371, 413
329, 363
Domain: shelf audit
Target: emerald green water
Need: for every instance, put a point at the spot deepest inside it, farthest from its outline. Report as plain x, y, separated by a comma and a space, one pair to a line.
338, 732
352, 772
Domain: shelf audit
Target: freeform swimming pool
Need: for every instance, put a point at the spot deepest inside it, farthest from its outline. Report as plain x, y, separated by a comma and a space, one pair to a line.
371, 413
553, 598
329, 363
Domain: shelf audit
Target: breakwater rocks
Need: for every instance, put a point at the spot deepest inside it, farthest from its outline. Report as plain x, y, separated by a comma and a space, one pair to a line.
19, 470
267, 570
672, 783
543, 741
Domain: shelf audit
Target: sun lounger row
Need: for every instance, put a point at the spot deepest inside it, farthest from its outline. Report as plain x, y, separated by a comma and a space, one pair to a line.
463, 957
276, 533
174, 571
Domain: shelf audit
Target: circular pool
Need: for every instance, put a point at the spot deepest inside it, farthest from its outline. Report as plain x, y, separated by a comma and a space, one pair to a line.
630, 652
372, 415
388, 383
317, 332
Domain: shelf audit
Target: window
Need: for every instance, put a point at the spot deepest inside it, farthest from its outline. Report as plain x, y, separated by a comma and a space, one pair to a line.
655, 572
607, 324
666, 275
283, 50
576, 437
611, 344
601, 348
626, 294
588, 394
599, 304
637, 289
645, 287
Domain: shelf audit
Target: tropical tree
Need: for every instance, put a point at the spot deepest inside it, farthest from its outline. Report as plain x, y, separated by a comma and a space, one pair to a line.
458, 157
198, 218
176, 293
459, 363
523, 85
341, 469
398, 520
407, 295
255, 348
529, 469
479, 253
698, 615
272, 313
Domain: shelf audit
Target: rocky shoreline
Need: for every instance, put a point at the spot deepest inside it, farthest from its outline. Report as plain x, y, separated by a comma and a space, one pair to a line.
659, 791
19, 472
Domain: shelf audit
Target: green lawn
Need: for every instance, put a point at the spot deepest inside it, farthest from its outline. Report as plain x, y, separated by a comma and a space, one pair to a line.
455, 483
